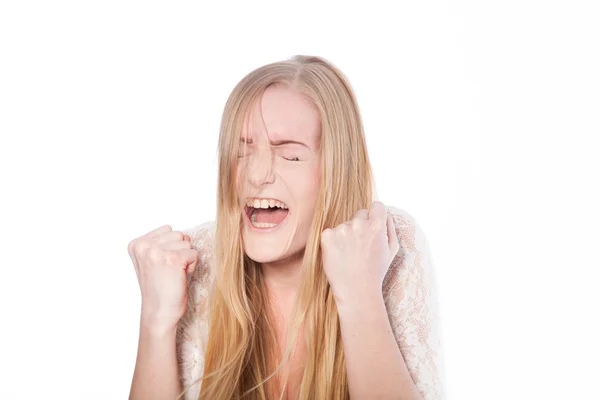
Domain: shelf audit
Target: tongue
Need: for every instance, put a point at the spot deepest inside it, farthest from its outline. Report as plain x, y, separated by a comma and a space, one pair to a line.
272, 216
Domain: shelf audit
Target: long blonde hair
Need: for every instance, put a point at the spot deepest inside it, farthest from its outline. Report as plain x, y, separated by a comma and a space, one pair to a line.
240, 357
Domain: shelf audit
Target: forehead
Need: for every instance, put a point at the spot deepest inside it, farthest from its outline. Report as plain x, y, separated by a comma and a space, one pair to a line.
283, 114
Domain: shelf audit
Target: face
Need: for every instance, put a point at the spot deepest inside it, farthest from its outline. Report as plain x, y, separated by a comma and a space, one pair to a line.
278, 175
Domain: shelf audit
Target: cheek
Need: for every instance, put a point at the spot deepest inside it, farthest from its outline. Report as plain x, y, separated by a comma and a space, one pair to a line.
306, 190
239, 178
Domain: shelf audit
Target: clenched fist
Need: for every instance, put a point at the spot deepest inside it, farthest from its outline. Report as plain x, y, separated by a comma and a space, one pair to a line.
162, 258
357, 253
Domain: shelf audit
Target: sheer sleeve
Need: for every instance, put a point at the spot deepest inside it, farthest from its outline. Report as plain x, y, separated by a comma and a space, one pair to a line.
192, 330
410, 298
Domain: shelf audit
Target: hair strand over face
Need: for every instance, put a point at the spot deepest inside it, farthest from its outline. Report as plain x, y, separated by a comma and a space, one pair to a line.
240, 357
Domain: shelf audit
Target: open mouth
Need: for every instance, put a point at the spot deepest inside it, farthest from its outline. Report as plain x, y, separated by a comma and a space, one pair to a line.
265, 213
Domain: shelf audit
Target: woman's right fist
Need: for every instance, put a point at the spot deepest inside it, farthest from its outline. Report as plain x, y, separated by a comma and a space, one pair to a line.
162, 258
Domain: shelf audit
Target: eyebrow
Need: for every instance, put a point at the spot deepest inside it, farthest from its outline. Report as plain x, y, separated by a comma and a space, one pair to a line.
275, 142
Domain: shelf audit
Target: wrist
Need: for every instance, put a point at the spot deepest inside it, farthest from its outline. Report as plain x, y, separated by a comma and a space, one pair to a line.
156, 329
359, 298
157, 325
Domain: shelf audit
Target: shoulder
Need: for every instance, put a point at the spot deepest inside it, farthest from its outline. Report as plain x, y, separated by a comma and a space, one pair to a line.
410, 296
202, 238
192, 330
202, 234
409, 231
413, 258
402, 218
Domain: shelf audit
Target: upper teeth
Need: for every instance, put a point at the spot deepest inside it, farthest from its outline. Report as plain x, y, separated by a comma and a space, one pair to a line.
264, 203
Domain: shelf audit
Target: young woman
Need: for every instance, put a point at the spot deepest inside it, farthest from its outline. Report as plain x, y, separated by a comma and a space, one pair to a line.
303, 288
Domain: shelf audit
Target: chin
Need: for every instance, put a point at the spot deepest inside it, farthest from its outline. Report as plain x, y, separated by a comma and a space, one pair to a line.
261, 252
261, 256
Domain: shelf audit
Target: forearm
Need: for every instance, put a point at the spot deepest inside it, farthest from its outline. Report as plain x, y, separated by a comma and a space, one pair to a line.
155, 375
375, 366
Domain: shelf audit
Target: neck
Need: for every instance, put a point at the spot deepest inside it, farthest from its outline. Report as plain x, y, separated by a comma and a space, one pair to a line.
282, 277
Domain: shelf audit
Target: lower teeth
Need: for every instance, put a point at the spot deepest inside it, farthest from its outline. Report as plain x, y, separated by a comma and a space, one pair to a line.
262, 224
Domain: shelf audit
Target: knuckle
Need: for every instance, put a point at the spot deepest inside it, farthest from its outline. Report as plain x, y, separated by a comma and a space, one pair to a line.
172, 258
178, 235
154, 254
141, 247
375, 226
131, 246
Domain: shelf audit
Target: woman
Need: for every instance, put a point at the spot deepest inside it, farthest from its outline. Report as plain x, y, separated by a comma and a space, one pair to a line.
303, 288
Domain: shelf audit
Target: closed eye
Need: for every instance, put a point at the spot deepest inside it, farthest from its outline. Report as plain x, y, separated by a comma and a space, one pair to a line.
292, 158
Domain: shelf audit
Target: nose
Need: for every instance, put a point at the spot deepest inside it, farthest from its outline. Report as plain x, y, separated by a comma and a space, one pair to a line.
260, 169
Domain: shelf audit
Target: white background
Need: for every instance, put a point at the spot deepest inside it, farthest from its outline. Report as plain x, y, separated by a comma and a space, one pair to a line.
481, 121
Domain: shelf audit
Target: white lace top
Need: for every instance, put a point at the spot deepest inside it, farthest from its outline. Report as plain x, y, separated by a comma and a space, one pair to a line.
408, 290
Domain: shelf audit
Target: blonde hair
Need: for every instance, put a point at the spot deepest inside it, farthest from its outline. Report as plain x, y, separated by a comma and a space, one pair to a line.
240, 357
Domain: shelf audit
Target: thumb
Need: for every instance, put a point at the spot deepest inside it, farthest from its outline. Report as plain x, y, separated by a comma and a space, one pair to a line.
191, 267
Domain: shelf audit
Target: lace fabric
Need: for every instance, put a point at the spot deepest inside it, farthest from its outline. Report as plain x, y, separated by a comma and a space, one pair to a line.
192, 329
409, 292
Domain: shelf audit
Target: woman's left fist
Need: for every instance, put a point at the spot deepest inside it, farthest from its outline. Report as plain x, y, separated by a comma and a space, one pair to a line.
358, 253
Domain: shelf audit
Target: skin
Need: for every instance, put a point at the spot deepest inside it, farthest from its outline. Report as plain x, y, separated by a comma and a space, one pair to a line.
356, 257
356, 254
288, 172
